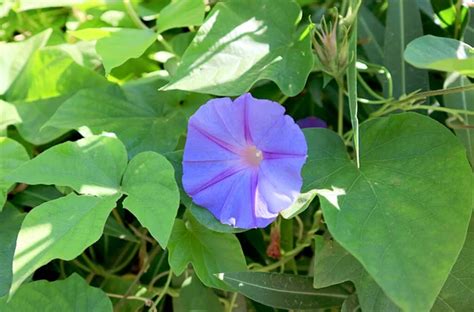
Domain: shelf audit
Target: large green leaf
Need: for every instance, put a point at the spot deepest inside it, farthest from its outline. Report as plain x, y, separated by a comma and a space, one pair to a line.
458, 291
92, 165
152, 194
209, 252
70, 295
48, 79
141, 117
194, 296
111, 42
10, 220
243, 41
59, 229
334, 265
181, 13
14, 56
284, 291
413, 186
13, 155
463, 101
446, 54
403, 26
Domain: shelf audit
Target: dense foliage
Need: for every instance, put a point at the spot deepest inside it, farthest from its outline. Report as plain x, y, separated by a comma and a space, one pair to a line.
95, 99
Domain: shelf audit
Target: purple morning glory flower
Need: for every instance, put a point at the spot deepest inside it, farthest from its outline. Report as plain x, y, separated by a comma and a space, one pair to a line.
242, 160
311, 122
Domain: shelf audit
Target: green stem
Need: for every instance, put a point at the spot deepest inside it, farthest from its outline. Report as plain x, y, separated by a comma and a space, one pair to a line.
232, 302
133, 15
163, 292
368, 88
340, 109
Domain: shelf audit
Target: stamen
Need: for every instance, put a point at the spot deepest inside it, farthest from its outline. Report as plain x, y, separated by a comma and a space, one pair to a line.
252, 155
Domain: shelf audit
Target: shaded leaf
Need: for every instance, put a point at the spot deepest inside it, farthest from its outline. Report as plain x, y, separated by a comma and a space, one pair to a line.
10, 219
114, 229
209, 252
458, 291
13, 155
143, 124
284, 291
152, 194
371, 34
70, 295
92, 166
194, 296
403, 26
59, 229
242, 42
334, 265
464, 101
414, 185
446, 54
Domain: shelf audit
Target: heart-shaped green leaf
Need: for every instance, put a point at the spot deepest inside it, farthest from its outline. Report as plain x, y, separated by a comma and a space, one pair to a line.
414, 185
152, 194
209, 252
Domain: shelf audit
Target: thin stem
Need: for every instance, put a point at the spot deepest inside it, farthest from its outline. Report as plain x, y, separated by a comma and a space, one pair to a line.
457, 24
232, 302
133, 15
157, 278
163, 292
147, 301
165, 44
142, 271
442, 109
340, 109
368, 88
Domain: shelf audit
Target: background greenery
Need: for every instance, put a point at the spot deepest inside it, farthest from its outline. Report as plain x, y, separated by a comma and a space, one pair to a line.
94, 101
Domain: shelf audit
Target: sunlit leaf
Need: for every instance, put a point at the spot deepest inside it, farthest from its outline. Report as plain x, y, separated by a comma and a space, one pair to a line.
181, 13
14, 56
93, 166
49, 78
152, 194
58, 229
111, 42
242, 42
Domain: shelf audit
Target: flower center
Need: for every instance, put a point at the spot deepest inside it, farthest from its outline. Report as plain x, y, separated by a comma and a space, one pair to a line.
252, 155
